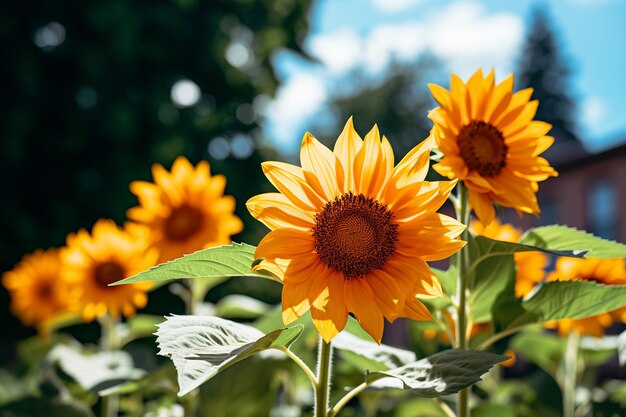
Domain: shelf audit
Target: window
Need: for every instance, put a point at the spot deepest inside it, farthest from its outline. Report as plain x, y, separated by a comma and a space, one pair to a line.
602, 209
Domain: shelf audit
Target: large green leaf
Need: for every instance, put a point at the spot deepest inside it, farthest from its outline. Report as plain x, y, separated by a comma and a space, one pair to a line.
369, 355
95, 371
218, 264
569, 299
559, 238
241, 306
203, 346
243, 391
440, 374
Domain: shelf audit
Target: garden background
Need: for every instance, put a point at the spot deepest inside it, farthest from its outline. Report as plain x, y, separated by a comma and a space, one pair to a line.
96, 92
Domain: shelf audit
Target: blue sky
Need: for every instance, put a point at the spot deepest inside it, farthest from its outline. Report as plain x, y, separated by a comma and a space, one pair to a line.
464, 35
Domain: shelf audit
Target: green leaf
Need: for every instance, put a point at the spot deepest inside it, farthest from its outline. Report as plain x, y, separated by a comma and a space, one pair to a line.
203, 346
621, 348
493, 410
558, 238
95, 371
570, 299
243, 391
45, 407
218, 263
543, 349
141, 325
241, 306
440, 374
369, 355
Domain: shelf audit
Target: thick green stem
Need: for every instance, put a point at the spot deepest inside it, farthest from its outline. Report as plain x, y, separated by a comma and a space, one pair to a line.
570, 373
462, 278
322, 387
108, 343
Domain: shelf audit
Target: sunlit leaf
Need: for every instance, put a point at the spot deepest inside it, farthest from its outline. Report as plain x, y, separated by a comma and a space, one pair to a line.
202, 346
95, 371
240, 306
443, 373
559, 238
369, 355
217, 264
570, 299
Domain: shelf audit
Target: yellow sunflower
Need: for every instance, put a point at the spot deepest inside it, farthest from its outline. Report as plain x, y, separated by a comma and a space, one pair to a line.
186, 209
490, 142
603, 271
93, 261
36, 288
530, 266
351, 234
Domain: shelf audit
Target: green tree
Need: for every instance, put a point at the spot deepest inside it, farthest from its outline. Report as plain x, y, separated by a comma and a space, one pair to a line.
543, 67
398, 102
86, 104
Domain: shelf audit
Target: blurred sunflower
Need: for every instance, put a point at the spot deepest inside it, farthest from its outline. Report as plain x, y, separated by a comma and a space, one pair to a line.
93, 261
602, 271
490, 142
351, 234
36, 289
530, 266
186, 210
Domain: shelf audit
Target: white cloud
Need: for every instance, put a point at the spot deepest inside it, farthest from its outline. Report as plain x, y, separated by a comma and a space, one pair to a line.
462, 35
339, 51
395, 6
386, 42
466, 38
298, 98
593, 111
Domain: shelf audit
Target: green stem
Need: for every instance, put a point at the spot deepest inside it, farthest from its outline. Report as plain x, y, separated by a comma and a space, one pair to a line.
444, 407
346, 398
190, 401
493, 339
108, 343
569, 377
309, 373
323, 379
461, 328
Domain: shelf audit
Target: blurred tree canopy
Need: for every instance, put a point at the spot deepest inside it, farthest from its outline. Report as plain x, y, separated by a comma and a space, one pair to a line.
86, 106
543, 67
398, 102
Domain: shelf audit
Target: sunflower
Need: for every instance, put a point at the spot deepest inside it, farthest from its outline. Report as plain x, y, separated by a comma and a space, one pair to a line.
351, 234
36, 288
186, 209
93, 261
530, 266
602, 271
490, 142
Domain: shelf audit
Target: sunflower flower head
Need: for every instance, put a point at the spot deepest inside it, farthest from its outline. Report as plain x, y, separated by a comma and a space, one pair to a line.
602, 271
37, 292
185, 209
90, 262
491, 143
351, 232
530, 266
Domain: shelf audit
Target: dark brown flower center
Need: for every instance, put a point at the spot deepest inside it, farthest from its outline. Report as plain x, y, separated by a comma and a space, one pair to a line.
107, 273
355, 234
482, 148
44, 291
184, 221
